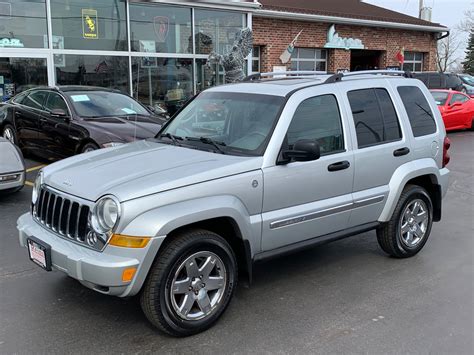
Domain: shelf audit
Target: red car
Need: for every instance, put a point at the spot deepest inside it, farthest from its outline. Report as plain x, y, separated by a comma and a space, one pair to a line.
456, 108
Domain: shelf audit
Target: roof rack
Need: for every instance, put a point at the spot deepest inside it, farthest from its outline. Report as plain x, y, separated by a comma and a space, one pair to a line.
296, 73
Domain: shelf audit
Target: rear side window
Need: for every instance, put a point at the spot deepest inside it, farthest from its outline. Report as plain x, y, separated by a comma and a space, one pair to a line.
419, 111
375, 119
35, 99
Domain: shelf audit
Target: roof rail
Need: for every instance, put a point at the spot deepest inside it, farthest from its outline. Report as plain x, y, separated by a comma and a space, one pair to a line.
295, 73
338, 77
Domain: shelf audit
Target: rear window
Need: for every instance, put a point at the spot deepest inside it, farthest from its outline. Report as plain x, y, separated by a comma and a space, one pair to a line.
419, 111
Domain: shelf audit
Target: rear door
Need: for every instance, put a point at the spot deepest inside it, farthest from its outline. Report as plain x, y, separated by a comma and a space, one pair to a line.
380, 146
26, 116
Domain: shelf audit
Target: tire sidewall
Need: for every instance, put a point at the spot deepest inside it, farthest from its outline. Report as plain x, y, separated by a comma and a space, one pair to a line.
416, 193
15, 140
224, 252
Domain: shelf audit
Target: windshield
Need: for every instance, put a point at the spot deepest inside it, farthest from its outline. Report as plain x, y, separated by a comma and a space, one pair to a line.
104, 104
467, 79
440, 97
239, 123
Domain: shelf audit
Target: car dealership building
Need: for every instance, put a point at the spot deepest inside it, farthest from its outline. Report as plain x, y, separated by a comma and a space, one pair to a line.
157, 50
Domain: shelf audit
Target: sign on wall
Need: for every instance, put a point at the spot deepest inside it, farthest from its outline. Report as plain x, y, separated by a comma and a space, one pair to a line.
90, 29
11, 43
162, 27
335, 41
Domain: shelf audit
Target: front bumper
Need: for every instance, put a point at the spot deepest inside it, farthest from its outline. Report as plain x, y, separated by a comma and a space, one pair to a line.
9, 185
100, 271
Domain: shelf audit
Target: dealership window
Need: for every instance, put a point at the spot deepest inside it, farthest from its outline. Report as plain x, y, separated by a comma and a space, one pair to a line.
216, 30
413, 61
166, 82
309, 59
160, 29
23, 24
256, 61
19, 74
89, 24
93, 70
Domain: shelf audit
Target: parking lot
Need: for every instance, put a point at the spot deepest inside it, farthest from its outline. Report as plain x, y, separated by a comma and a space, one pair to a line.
345, 297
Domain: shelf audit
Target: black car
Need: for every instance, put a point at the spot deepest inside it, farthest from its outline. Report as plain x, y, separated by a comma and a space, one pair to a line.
444, 81
62, 121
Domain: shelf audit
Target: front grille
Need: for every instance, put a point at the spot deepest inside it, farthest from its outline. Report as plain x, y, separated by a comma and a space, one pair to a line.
66, 217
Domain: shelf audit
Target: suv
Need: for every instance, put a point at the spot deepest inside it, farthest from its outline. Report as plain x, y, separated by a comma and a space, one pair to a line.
434, 80
243, 173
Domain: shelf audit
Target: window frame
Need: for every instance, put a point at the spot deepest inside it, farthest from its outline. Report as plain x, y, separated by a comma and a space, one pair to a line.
400, 127
341, 122
314, 60
415, 61
256, 59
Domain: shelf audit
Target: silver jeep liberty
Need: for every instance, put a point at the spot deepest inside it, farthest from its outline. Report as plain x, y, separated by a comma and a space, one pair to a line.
242, 173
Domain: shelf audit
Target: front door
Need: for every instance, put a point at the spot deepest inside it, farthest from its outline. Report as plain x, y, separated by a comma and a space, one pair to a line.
303, 200
457, 111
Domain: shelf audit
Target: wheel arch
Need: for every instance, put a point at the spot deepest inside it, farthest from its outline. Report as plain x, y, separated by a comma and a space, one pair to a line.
424, 173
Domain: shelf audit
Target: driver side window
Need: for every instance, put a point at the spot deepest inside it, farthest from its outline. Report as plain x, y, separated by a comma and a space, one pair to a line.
54, 102
458, 98
318, 118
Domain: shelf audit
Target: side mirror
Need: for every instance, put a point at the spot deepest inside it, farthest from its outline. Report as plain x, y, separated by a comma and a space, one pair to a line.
59, 113
151, 108
303, 150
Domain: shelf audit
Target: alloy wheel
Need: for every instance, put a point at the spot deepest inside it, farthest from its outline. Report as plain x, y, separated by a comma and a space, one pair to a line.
9, 135
198, 286
414, 223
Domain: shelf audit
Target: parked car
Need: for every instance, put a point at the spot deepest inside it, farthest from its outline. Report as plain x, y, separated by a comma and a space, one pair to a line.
294, 162
457, 109
55, 123
12, 167
444, 81
468, 84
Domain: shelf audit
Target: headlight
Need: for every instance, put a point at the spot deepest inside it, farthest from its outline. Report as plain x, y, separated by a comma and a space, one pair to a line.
105, 215
112, 144
37, 187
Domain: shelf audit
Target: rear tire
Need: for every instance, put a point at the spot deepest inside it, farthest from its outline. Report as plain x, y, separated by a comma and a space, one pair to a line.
9, 133
190, 283
410, 226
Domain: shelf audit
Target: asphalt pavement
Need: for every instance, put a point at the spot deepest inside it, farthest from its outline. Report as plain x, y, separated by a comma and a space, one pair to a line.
344, 297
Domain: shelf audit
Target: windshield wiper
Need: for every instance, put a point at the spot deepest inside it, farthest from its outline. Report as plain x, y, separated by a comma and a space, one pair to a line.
173, 138
207, 140
424, 109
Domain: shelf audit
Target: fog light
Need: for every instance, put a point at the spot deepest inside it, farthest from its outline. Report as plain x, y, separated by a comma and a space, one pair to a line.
10, 177
127, 274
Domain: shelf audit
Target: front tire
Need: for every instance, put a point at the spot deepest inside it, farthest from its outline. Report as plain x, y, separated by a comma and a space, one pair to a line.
89, 147
410, 226
190, 284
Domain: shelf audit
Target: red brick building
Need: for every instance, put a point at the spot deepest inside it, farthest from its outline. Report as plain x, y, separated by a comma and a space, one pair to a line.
382, 33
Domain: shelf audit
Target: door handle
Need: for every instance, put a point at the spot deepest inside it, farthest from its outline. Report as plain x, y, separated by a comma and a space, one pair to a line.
342, 165
18, 114
401, 152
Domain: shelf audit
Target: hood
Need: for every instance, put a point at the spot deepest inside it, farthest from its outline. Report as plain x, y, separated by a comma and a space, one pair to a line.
141, 168
126, 129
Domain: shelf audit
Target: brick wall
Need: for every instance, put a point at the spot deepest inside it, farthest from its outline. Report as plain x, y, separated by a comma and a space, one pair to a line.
274, 35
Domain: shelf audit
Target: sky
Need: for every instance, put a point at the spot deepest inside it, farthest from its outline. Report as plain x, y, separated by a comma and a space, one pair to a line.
447, 12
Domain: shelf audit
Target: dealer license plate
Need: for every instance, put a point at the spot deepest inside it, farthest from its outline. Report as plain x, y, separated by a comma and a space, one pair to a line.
40, 253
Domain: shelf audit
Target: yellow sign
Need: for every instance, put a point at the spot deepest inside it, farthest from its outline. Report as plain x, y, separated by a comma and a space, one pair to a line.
90, 28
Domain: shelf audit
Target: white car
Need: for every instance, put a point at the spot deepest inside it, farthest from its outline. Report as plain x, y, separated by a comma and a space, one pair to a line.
12, 167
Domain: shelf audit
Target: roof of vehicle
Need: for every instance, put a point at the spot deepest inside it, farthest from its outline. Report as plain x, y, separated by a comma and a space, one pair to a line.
69, 88
286, 85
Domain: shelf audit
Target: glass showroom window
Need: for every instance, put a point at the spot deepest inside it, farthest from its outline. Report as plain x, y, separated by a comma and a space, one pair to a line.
160, 29
413, 61
89, 24
19, 74
309, 59
165, 82
216, 30
105, 71
23, 24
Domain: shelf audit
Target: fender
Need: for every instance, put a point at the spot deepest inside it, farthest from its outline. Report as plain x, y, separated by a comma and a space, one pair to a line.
399, 179
163, 220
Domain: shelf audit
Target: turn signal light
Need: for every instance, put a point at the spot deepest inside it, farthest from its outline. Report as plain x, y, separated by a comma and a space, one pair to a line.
126, 241
127, 274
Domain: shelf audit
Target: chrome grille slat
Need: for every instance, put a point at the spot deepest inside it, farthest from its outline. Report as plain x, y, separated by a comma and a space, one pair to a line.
63, 215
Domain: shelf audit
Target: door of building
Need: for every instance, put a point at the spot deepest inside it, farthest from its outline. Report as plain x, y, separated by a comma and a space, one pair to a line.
362, 59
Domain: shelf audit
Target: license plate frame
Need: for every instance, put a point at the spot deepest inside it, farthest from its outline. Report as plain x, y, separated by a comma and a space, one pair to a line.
39, 252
